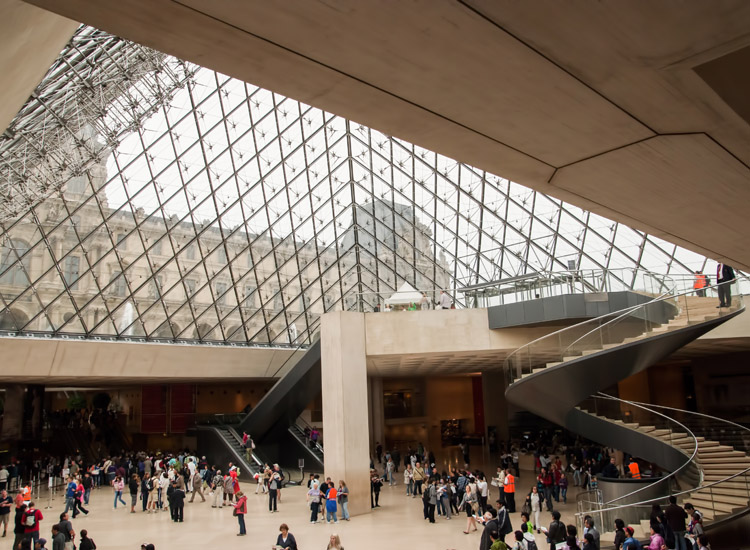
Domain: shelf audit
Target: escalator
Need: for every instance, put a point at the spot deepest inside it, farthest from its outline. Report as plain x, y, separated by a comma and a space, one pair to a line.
271, 423
225, 446
314, 450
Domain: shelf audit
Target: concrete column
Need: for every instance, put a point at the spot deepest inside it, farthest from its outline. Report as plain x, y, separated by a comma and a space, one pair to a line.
345, 404
13, 413
495, 405
378, 413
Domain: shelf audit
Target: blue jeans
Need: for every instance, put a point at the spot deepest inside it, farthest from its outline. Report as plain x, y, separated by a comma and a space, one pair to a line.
682, 543
410, 487
345, 510
564, 494
241, 521
548, 498
331, 515
70, 504
118, 496
86, 496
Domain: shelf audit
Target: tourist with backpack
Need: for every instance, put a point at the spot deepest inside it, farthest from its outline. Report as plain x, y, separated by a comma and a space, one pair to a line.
528, 538
31, 519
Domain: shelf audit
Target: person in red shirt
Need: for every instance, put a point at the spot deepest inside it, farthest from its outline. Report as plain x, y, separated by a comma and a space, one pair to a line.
240, 509
331, 503
546, 479
555, 482
31, 526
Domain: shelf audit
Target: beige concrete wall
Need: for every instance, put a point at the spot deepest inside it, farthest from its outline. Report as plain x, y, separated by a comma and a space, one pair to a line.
441, 331
91, 362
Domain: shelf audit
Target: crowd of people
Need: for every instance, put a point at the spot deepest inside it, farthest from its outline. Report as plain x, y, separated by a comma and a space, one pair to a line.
469, 493
160, 482
155, 482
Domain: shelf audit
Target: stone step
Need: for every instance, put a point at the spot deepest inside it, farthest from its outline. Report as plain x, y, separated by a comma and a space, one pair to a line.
717, 497
719, 454
705, 504
722, 469
745, 460
736, 491
739, 482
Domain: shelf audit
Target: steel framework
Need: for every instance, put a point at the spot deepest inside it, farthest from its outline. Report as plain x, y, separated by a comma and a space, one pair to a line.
148, 198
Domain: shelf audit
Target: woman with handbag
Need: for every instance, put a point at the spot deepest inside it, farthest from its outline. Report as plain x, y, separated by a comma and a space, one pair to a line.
469, 504
240, 509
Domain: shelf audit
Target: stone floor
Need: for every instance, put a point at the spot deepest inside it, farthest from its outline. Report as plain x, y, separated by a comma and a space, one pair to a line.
398, 523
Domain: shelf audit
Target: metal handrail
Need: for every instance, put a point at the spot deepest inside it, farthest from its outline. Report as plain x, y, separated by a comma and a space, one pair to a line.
239, 440
306, 425
708, 416
702, 486
626, 313
619, 313
671, 475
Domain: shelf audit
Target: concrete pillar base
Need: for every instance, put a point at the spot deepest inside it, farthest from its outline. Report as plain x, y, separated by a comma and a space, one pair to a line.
345, 405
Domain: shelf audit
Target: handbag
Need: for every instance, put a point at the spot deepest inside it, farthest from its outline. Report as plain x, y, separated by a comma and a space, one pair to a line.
234, 512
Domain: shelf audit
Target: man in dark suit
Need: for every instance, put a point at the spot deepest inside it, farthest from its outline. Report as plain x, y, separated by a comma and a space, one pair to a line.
724, 278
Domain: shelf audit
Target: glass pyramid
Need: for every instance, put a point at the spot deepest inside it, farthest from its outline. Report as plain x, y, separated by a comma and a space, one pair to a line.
146, 198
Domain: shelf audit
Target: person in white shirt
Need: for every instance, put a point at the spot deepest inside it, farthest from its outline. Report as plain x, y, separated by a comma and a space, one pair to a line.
3, 478
482, 493
445, 300
192, 467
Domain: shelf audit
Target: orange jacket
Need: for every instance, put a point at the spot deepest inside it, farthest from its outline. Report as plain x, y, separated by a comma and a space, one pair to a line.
701, 281
510, 484
635, 471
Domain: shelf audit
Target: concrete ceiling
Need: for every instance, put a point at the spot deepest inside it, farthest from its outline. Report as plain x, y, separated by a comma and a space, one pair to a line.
634, 110
31, 41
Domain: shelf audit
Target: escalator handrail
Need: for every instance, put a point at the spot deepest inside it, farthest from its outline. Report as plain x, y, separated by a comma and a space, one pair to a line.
300, 347
305, 445
306, 425
237, 438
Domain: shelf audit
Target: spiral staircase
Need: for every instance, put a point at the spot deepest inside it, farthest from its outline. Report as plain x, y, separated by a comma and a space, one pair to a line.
559, 377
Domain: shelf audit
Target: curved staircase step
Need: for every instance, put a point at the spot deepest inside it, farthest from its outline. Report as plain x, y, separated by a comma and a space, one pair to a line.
706, 504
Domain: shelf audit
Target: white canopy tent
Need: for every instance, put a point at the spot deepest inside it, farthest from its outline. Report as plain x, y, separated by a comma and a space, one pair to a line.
405, 295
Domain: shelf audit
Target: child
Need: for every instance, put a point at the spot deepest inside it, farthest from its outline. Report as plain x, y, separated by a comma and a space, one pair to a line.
497, 544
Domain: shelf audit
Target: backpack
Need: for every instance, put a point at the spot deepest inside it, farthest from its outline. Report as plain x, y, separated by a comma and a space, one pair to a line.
29, 518
531, 545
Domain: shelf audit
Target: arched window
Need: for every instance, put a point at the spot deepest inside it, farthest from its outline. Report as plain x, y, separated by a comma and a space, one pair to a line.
13, 319
12, 270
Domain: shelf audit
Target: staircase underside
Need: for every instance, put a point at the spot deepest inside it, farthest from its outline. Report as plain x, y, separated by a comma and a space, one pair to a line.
553, 391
